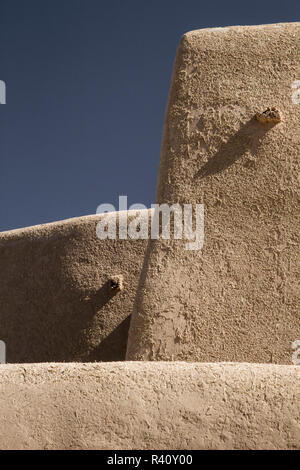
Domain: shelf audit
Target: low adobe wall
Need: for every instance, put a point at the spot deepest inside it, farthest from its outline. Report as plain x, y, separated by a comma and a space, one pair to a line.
149, 406
237, 299
56, 301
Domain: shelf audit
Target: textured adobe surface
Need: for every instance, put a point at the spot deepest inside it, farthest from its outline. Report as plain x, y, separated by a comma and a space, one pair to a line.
56, 302
67, 296
149, 406
238, 298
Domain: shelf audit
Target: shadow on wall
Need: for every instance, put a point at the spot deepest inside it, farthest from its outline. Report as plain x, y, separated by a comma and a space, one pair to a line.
113, 346
51, 318
246, 139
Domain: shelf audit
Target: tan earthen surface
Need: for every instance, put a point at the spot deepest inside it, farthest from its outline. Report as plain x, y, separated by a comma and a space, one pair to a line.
149, 406
56, 300
237, 299
231, 142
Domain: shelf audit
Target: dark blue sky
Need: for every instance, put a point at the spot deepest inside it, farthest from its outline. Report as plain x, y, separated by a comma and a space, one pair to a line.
87, 86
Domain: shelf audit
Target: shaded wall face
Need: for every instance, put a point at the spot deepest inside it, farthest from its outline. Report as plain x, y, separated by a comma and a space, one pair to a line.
57, 300
238, 298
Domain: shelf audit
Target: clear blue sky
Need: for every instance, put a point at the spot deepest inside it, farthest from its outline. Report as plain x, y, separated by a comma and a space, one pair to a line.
87, 86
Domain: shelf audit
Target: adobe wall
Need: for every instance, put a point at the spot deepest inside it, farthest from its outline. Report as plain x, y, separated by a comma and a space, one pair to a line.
56, 301
238, 298
149, 406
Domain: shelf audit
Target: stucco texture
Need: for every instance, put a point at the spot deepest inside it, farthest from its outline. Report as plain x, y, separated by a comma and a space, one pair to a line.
237, 299
141, 405
231, 142
56, 300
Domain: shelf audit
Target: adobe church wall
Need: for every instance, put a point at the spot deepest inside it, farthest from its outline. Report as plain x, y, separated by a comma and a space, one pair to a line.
237, 299
59, 295
142, 405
